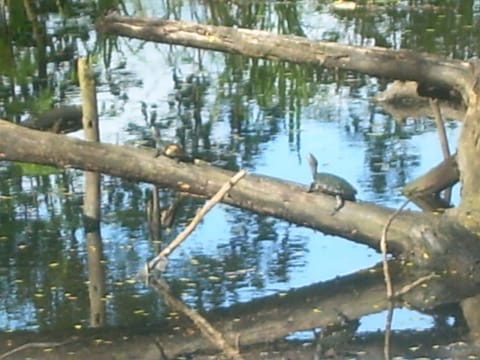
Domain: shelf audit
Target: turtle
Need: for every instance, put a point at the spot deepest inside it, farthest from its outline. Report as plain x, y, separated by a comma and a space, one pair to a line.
330, 184
168, 149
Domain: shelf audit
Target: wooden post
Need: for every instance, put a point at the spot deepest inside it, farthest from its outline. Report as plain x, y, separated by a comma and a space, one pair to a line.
91, 203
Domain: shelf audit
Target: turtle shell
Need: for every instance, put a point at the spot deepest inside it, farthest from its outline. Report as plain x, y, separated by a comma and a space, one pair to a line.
333, 185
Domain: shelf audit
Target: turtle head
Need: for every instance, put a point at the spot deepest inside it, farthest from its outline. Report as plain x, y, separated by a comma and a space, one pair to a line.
313, 163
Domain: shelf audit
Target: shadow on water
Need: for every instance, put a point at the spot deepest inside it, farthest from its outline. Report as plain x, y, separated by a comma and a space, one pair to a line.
237, 268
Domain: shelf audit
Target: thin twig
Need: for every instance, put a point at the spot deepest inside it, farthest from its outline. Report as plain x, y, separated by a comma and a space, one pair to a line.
214, 336
440, 127
193, 224
388, 330
388, 279
203, 211
443, 138
383, 248
34, 345
414, 284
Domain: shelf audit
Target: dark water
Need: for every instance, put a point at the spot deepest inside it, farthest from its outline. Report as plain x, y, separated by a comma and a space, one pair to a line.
244, 113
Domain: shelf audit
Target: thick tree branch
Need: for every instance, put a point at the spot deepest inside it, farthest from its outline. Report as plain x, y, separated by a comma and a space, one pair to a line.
260, 194
401, 65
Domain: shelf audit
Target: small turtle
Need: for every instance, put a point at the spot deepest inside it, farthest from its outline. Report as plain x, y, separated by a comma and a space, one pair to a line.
168, 149
330, 184
175, 151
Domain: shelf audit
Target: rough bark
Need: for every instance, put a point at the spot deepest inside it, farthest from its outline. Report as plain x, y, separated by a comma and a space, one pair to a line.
469, 161
435, 71
261, 194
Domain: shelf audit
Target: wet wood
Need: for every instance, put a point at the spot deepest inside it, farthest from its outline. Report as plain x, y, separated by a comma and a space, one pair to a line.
424, 189
92, 200
261, 194
257, 322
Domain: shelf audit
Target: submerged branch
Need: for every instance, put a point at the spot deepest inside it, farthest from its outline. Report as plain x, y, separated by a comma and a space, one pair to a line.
259, 321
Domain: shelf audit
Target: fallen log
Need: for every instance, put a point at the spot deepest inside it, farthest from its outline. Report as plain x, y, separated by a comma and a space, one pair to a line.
261, 194
427, 69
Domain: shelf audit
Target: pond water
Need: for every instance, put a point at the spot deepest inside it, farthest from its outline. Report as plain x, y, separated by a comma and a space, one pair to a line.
263, 116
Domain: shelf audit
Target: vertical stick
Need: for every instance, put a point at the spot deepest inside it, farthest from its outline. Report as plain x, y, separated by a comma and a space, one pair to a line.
91, 203
443, 139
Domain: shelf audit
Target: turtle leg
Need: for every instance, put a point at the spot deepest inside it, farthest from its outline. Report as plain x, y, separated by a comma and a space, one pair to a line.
311, 188
339, 205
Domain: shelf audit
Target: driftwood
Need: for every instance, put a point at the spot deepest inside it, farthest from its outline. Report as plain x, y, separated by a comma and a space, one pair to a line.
434, 71
262, 320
